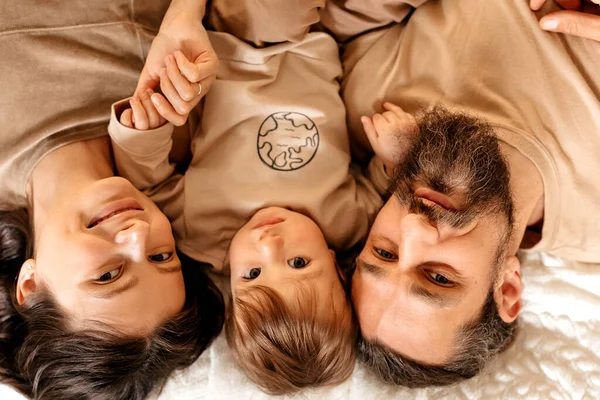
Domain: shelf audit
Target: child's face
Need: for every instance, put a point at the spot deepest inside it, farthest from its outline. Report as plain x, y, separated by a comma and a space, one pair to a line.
280, 248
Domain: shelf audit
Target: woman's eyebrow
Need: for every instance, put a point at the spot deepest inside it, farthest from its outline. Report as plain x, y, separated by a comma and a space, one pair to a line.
112, 293
169, 270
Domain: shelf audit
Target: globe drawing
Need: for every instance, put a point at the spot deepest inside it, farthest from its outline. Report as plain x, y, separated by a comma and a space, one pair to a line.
287, 141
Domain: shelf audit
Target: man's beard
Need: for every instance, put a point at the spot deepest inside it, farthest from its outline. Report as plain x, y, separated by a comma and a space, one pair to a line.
458, 156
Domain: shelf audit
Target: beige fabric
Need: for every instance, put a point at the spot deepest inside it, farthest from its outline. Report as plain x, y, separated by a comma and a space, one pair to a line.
346, 19
264, 21
272, 133
541, 90
62, 64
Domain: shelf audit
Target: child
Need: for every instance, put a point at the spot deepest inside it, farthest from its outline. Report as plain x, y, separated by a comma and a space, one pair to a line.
268, 192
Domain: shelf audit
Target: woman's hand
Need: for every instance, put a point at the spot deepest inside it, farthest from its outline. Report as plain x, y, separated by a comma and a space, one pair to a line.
182, 44
570, 21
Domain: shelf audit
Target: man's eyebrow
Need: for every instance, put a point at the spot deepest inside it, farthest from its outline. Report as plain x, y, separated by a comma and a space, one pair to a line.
370, 269
112, 293
435, 299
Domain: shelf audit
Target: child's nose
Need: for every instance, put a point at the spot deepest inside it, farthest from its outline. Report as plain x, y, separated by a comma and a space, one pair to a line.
270, 247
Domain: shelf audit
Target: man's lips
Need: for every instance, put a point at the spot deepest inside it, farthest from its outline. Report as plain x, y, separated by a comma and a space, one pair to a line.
114, 209
429, 196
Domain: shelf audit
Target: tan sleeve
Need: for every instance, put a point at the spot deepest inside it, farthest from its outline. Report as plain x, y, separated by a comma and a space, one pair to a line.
142, 157
367, 193
376, 173
346, 19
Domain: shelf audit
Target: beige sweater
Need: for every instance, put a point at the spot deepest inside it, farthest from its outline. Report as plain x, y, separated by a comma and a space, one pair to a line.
541, 90
62, 64
272, 133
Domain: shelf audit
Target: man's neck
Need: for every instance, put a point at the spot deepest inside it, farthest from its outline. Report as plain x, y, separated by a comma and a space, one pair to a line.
527, 190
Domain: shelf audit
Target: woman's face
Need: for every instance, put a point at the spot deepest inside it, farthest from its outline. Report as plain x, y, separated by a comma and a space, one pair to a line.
108, 254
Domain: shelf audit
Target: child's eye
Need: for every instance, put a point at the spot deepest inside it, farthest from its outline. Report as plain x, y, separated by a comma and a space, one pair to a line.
252, 274
384, 254
297, 262
440, 279
110, 276
162, 257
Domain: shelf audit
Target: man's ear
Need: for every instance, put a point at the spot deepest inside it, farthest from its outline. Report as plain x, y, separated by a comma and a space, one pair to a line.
26, 283
508, 290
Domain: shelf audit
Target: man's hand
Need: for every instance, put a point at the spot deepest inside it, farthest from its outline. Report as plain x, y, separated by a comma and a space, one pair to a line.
570, 21
390, 134
182, 44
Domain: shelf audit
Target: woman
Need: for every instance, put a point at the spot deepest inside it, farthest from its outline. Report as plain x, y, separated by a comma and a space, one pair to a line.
94, 300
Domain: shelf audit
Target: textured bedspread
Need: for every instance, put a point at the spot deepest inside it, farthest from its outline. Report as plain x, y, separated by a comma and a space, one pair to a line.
556, 354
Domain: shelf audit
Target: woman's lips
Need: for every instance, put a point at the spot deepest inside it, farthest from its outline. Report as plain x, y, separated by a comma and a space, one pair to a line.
114, 209
428, 195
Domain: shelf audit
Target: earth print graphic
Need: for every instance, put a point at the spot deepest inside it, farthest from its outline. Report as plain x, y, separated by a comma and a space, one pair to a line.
287, 141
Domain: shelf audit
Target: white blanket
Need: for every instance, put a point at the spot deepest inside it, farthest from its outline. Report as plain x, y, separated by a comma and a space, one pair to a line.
556, 354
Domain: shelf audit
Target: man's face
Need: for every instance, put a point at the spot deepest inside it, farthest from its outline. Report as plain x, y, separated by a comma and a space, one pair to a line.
434, 249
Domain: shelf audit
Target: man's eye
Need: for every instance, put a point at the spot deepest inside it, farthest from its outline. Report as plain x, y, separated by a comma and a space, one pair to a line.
109, 276
385, 254
297, 262
441, 279
162, 257
252, 274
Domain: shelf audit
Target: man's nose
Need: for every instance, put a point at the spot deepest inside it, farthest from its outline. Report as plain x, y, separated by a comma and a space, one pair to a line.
270, 247
417, 238
132, 238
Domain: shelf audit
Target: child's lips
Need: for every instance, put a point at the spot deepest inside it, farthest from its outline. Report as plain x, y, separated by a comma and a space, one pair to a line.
268, 222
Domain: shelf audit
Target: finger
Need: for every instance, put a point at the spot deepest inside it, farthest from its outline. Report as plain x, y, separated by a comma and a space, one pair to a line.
186, 90
126, 118
536, 4
394, 108
573, 23
379, 121
204, 66
390, 117
370, 130
154, 118
169, 91
146, 81
139, 118
166, 110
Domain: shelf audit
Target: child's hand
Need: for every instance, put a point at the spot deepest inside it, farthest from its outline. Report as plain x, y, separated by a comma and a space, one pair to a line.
180, 95
142, 115
390, 134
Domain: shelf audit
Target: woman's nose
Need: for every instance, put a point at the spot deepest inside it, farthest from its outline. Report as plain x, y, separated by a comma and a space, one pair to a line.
133, 239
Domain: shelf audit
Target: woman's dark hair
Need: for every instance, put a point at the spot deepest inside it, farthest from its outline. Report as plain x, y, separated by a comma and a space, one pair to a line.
43, 358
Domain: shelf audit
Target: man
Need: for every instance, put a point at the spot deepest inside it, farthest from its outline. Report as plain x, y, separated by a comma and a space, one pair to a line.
510, 160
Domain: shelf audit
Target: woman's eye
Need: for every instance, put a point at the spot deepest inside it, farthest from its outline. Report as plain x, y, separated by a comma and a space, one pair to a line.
385, 254
109, 276
297, 262
441, 279
162, 257
252, 274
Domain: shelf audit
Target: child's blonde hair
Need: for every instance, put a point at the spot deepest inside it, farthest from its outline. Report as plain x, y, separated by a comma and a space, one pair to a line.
283, 348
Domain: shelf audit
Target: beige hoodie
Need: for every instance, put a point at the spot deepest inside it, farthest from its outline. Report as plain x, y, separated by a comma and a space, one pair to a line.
272, 133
